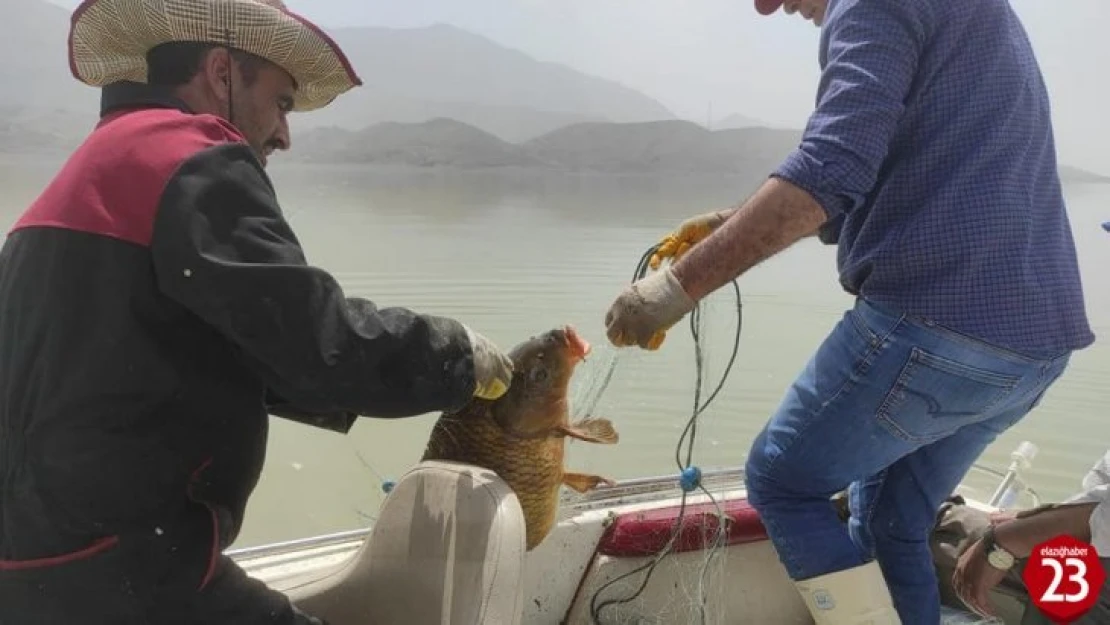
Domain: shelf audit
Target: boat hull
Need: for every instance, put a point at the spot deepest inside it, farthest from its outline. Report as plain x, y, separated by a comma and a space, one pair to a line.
722, 572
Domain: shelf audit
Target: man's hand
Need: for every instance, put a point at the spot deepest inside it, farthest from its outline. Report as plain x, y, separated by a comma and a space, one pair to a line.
974, 578
493, 370
688, 233
644, 311
779, 214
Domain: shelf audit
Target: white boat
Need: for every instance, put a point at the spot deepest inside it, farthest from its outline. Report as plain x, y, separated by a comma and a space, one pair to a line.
448, 547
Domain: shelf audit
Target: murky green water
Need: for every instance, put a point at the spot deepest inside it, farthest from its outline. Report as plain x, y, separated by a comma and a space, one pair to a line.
512, 255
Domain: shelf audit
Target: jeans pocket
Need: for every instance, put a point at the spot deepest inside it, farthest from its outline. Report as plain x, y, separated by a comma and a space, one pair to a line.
934, 396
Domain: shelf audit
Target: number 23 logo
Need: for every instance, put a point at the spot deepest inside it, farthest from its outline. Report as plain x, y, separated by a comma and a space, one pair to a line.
1079, 576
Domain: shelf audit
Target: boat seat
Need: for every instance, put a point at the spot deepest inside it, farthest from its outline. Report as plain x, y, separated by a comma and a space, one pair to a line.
447, 547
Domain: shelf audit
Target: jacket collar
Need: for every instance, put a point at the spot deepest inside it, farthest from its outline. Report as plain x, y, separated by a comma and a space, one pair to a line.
126, 94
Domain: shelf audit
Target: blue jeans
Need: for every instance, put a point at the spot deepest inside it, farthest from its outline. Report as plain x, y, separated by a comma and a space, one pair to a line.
895, 409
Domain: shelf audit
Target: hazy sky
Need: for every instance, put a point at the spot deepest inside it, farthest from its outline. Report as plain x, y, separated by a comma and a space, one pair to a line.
695, 54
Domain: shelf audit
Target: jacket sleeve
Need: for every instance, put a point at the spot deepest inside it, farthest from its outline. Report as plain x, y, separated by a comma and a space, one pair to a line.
222, 248
336, 421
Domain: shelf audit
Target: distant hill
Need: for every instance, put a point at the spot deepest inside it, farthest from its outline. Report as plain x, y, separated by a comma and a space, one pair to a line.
659, 147
409, 75
656, 147
24, 130
35, 72
676, 147
1076, 175
736, 120
435, 143
433, 97
415, 75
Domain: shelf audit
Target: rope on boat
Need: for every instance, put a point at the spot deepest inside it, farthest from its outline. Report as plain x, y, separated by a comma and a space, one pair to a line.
689, 473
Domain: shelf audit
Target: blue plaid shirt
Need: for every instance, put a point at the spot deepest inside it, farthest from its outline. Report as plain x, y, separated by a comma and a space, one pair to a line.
931, 149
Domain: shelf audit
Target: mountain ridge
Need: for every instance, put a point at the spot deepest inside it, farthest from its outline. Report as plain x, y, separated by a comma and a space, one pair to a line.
665, 147
417, 81
409, 75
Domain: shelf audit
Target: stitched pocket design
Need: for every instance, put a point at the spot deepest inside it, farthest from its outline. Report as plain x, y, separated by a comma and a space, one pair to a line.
934, 396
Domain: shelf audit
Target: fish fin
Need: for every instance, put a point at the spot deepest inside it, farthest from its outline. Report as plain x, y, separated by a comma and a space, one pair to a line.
592, 430
583, 482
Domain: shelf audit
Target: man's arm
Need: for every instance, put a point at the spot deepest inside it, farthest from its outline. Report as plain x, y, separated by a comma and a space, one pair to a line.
1030, 528
222, 248
773, 219
973, 577
872, 53
339, 421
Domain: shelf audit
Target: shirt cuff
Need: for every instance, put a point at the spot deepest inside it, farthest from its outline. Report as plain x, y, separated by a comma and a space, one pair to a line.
805, 172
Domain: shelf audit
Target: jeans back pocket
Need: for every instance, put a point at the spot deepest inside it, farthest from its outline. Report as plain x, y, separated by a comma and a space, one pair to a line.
934, 396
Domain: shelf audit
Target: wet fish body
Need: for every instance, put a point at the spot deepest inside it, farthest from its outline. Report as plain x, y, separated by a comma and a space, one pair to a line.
522, 435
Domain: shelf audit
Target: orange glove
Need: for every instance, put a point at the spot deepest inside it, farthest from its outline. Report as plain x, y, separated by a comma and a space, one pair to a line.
688, 234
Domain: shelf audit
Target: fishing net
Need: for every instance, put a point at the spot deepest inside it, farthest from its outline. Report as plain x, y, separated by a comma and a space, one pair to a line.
670, 586
714, 584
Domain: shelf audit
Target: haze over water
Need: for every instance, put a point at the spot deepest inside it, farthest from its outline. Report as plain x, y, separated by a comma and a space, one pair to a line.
517, 254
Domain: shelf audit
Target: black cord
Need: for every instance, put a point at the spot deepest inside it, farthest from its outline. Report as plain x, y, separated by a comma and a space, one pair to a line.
689, 431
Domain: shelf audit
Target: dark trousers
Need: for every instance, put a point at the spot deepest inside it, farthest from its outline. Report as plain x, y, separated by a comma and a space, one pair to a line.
71, 597
157, 578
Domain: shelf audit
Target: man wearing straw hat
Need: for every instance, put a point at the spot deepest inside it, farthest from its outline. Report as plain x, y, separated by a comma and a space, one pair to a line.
930, 162
155, 307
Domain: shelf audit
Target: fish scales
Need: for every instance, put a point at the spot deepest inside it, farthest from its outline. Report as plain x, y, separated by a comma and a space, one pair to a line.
522, 436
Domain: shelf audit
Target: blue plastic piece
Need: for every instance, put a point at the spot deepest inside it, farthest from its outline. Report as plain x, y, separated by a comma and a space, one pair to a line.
690, 478
388, 486
1106, 226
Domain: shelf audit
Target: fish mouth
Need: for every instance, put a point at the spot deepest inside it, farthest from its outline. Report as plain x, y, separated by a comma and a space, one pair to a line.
579, 346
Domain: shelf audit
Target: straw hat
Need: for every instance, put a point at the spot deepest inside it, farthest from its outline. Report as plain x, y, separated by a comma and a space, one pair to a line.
109, 39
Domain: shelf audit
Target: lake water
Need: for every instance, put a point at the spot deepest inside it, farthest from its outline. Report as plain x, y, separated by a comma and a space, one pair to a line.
516, 254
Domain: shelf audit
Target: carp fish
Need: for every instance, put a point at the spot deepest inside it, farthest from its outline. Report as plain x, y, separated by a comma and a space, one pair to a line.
521, 435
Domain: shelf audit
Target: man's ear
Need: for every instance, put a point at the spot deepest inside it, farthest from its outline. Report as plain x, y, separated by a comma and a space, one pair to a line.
216, 69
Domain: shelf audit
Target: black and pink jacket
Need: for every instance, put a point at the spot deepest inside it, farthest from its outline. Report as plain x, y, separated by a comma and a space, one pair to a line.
155, 308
